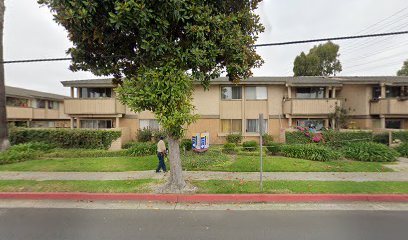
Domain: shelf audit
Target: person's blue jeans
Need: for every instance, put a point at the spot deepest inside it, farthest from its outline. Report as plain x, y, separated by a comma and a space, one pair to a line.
162, 165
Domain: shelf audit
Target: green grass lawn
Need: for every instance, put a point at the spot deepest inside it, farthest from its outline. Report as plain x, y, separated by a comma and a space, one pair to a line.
223, 186
212, 186
116, 186
197, 162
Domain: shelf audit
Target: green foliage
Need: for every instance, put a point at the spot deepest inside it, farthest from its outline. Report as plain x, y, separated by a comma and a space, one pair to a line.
338, 139
229, 148
144, 135
297, 138
204, 160
84, 153
250, 146
187, 144
340, 116
65, 138
234, 138
157, 134
401, 135
22, 152
273, 148
404, 69
369, 152
381, 138
403, 149
266, 139
310, 151
322, 60
142, 149
159, 48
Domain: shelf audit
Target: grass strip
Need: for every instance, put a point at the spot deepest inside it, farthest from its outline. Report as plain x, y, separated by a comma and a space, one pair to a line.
223, 186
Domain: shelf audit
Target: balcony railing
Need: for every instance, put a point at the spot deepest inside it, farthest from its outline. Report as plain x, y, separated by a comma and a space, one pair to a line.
33, 113
93, 106
324, 106
391, 106
19, 113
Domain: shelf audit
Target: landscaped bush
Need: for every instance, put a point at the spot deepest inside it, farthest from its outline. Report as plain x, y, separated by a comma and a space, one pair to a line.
229, 148
22, 152
266, 139
142, 149
370, 152
381, 138
204, 160
250, 146
297, 138
338, 139
273, 148
65, 138
403, 136
403, 149
234, 138
187, 144
310, 151
157, 134
144, 135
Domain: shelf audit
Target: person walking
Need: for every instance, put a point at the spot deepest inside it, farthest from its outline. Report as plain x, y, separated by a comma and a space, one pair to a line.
161, 152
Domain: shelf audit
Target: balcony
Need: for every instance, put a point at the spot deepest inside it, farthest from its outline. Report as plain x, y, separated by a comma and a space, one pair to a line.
307, 107
391, 106
19, 113
100, 106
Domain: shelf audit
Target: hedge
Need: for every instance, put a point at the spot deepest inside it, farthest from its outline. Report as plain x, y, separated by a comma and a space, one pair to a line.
65, 138
333, 138
250, 146
403, 149
297, 137
370, 152
313, 152
403, 136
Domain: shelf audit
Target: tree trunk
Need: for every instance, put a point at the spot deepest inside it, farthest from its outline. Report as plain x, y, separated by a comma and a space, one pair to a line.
176, 181
4, 143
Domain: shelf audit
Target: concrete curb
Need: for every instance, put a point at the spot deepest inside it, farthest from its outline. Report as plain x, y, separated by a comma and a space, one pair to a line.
208, 198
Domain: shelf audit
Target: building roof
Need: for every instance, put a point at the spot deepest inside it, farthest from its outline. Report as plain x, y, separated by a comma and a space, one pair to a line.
26, 93
290, 81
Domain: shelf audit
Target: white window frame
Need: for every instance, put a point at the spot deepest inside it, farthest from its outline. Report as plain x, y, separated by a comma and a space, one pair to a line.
258, 91
232, 96
257, 126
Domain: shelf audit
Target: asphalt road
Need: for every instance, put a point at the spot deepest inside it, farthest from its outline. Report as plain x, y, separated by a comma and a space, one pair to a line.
87, 224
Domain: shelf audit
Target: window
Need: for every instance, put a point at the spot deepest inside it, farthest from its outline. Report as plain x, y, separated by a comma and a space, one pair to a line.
376, 92
317, 123
392, 92
312, 92
393, 124
52, 105
38, 103
95, 92
231, 125
256, 93
152, 124
96, 124
253, 125
16, 102
231, 93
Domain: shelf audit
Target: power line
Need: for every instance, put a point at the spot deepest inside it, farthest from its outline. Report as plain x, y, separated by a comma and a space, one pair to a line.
256, 45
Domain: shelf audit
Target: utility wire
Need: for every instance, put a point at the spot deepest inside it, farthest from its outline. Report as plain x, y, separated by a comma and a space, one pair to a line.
256, 45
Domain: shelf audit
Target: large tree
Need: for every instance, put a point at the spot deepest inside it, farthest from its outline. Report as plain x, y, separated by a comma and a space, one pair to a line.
157, 49
322, 60
4, 143
404, 70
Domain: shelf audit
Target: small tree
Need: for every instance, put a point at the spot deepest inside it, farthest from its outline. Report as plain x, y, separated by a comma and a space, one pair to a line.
157, 49
404, 69
341, 117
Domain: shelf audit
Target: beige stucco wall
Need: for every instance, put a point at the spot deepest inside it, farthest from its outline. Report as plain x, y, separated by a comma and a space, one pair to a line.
207, 102
211, 126
356, 98
132, 124
275, 96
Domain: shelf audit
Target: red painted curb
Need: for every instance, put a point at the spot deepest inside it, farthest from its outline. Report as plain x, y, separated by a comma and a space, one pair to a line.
208, 198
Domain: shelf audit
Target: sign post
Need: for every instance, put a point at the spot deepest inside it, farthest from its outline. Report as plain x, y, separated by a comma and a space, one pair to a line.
260, 142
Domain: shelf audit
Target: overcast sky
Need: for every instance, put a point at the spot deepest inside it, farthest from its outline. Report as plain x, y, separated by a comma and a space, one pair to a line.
31, 33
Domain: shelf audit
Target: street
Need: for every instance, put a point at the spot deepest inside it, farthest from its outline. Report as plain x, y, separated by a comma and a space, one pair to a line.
109, 224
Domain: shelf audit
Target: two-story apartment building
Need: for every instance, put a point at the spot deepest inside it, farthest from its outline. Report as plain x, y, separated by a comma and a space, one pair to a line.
286, 102
28, 108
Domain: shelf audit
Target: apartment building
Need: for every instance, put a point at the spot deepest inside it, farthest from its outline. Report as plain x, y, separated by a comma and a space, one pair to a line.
28, 108
286, 102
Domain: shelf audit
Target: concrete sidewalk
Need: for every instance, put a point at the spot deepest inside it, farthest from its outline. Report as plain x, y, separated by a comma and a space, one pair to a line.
195, 175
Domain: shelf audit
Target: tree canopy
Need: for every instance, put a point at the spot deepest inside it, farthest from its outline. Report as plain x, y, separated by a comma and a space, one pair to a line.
322, 60
157, 49
404, 69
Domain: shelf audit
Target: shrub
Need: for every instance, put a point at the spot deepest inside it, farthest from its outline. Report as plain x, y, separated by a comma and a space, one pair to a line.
380, 138
204, 160
250, 146
157, 134
310, 151
229, 148
187, 144
26, 151
403, 149
402, 135
297, 138
370, 152
266, 139
273, 148
32, 146
234, 138
65, 138
142, 149
338, 139
144, 135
